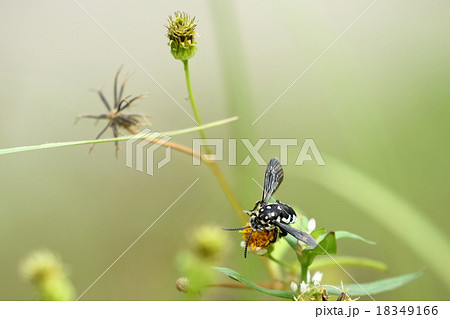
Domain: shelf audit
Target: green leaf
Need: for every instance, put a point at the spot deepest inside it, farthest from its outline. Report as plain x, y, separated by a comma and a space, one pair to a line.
317, 234
108, 140
386, 207
345, 234
238, 277
375, 287
323, 262
326, 246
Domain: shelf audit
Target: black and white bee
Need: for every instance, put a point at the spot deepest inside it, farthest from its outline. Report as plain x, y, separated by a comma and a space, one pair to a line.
276, 216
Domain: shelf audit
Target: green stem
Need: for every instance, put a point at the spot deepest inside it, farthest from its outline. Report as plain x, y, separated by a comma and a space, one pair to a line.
109, 140
227, 189
191, 98
279, 262
217, 172
304, 273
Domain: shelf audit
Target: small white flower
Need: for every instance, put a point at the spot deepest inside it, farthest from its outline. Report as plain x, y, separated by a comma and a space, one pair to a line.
294, 286
317, 277
311, 225
303, 287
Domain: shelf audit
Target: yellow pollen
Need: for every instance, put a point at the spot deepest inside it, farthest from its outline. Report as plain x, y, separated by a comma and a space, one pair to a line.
262, 239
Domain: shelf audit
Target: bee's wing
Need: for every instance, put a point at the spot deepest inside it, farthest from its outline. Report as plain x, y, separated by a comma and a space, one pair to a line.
274, 176
302, 236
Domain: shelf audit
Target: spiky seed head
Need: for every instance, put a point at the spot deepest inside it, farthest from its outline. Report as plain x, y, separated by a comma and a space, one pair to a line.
181, 33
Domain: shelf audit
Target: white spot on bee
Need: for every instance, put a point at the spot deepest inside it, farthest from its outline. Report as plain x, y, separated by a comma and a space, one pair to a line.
278, 207
269, 207
285, 220
272, 214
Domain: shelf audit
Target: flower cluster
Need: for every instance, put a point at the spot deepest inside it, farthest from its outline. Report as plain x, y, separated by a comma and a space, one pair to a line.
313, 290
259, 241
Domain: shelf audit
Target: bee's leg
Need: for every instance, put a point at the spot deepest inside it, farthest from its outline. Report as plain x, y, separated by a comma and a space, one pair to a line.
275, 235
256, 206
255, 225
282, 233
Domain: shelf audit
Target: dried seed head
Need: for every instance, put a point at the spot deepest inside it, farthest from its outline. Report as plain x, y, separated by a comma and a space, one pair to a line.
182, 284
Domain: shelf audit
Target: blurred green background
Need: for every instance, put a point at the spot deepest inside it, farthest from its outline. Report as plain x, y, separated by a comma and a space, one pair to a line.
376, 105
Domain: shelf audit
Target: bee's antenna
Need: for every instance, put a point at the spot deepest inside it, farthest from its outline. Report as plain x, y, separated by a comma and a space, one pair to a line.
246, 243
240, 228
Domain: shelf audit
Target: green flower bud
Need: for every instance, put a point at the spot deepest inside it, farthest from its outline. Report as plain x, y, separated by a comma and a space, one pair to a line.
209, 242
181, 32
47, 273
